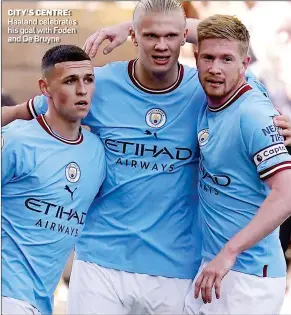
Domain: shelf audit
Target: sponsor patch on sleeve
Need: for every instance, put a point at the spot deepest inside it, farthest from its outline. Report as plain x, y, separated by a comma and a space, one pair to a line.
269, 152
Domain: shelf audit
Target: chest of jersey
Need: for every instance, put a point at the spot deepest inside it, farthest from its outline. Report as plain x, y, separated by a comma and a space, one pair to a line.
224, 161
146, 131
57, 186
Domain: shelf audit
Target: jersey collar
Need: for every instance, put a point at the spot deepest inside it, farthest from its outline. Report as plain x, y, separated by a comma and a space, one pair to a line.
131, 73
41, 120
237, 94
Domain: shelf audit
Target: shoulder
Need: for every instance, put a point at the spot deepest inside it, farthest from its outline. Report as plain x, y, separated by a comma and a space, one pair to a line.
21, 135
256, 111
257, 103
190, 72
18, 129
256, 84
191, 81
93, 140
110, 68
15, 134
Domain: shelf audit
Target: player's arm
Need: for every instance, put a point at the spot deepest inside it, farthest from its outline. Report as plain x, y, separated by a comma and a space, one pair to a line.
274, 211
26, 111
265, 146
11, 113
118, 34
9, 148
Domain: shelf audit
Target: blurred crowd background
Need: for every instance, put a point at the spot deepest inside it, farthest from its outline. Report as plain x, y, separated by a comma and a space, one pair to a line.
269, 24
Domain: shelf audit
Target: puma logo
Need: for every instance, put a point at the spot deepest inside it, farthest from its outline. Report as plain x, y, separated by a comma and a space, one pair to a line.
148, 133
69, 190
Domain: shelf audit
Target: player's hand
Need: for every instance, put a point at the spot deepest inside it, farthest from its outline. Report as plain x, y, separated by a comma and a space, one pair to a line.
212, 275
116, 34
284, 122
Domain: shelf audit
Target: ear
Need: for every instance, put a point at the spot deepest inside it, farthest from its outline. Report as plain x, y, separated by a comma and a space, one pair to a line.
44, 88
133, 37
245, 63
185, 37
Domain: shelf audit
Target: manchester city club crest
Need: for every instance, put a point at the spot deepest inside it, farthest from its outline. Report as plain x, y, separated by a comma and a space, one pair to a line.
203, 137
73, 172
156, 118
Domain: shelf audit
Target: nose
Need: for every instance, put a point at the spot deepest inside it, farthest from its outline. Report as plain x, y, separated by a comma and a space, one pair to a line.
81, 88
215, 67
162, 44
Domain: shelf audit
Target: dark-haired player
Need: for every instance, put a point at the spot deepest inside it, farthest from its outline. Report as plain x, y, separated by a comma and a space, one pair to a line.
47, 183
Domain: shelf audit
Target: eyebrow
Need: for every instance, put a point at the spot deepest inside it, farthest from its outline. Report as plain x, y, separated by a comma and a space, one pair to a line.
169, 33
222, 55
74, 76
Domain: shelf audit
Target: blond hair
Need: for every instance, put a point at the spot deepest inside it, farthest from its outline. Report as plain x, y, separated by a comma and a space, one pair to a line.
224, 27
158, 6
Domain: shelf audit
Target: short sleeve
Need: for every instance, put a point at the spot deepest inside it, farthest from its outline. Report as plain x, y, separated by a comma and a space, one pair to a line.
256, 84
264, 144
37, 105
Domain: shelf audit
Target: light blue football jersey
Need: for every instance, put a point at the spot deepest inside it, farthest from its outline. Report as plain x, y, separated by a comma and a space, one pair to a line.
146, 219
48, 185
240, 148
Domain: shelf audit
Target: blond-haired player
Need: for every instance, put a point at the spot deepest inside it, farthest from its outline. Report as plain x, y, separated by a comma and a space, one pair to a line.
242, 256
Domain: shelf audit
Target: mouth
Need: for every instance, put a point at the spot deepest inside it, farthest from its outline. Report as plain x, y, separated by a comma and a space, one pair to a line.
161, 60
81, 104
215, 83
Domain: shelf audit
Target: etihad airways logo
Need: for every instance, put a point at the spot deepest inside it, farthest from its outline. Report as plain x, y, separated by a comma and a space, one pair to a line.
54, 210
222, 180
142, 149
149, 157
56, 218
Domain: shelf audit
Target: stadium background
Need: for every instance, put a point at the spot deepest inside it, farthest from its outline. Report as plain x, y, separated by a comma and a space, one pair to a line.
269, 24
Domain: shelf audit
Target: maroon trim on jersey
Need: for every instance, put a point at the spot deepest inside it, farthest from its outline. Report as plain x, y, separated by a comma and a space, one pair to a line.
265, 271
30, 108
131, 73
269, 172
237, 94
48, 129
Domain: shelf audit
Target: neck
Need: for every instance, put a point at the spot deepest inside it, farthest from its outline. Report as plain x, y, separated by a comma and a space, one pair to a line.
61, 126
215, 102
155, 81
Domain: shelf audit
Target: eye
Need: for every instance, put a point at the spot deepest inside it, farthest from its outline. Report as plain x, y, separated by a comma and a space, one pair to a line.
89, 80
227, 59
70, 81
151, 36
172, 35
207, 57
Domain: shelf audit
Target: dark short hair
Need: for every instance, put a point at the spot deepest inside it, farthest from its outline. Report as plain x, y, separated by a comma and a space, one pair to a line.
62, 53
